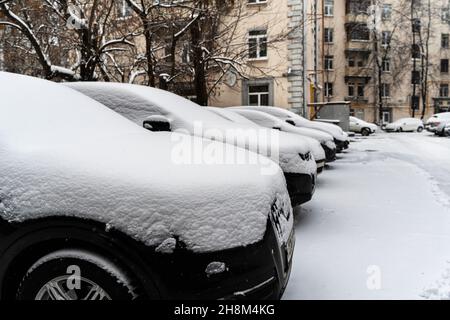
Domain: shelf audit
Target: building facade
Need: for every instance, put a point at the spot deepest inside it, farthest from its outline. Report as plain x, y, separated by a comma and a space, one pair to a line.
383, 56
272, 32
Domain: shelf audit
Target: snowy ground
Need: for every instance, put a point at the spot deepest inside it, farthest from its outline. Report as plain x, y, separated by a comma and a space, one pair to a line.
379, 224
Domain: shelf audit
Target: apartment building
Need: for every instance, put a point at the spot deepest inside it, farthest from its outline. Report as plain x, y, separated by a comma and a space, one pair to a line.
272, 32
372, 53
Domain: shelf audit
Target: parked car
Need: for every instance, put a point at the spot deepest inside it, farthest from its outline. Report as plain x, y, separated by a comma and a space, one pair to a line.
267, 121
362, 127
441, 129
447, 129
87, 193
325, 139
406, 125
340, 137
434, 121
159, 110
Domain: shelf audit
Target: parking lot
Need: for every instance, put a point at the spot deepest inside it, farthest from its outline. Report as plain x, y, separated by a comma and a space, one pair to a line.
378, 225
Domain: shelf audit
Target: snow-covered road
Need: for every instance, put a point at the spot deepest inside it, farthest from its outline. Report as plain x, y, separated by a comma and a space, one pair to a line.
379, 224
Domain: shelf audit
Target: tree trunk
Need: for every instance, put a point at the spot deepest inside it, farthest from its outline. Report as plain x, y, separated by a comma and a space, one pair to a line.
200, 81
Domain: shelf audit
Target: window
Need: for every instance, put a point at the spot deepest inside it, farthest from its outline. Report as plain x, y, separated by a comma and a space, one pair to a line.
386, 117
445, 15
329, 8
358, 32
351, 62
328, 89
329, 35
385, 90
445, 40
443, 90
257, 1
258, 95
444, 65
186, 54
416, 51
356, 89
257, 44
386, 38
386, 65
124, 10
416, 26
415, 77
386, 13
357, 6
329, 62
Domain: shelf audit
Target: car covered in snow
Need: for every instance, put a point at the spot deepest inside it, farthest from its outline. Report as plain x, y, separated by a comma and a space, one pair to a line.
159, 110
363, 127
322, 144
442, 128
436, 120
405, 125
340, 137
447, 130
94, 207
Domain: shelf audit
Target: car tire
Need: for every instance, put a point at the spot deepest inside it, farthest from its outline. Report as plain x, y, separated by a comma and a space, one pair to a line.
75, 274
420, 129
365, 132
400, 129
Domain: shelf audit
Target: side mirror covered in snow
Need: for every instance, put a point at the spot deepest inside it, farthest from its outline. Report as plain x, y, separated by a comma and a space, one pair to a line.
157, 124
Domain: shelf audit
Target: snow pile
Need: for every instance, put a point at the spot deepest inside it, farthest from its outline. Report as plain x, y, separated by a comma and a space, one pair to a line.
62, 154
137, 103
439, 290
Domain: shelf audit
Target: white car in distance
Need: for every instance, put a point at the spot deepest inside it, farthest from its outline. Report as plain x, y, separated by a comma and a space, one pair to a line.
406, 125
363, 127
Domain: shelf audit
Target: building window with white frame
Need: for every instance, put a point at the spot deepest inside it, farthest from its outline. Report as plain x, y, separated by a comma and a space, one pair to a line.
443, 90
257, 44
257, 1
259, 95
329, 8
386, 13
328, 89
386, 65
328, 35
329, 63
124, 9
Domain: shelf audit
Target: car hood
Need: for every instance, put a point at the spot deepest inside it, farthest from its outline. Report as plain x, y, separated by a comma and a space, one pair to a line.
62, 154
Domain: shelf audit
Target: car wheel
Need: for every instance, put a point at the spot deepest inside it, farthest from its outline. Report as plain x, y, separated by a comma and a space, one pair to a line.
365, 132
420, 129
75, 275
400, 129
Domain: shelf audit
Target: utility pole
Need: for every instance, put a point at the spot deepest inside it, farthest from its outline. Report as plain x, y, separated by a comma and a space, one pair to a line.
316, 52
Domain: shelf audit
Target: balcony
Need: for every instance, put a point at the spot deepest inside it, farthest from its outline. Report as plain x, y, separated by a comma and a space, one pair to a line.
358, 74
357, 100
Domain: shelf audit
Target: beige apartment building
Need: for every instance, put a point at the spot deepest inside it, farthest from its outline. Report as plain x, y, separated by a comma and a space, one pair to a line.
372, 52
272, 34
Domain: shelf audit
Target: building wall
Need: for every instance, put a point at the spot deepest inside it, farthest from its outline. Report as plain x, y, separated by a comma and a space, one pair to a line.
399, 79
283, 67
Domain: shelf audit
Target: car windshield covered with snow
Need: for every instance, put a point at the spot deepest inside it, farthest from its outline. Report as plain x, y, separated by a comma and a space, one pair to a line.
82, 185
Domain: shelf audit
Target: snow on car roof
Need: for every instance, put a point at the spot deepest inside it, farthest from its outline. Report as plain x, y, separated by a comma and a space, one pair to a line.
63, 154
138, 102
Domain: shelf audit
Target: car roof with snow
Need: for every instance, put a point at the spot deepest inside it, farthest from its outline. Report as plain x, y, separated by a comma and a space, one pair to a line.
63, 154
137, 103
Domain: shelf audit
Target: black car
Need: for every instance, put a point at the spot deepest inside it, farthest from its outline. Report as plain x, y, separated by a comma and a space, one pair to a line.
94, 207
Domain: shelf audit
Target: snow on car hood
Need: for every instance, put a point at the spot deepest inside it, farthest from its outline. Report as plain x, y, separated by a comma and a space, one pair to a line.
63, 154
137, 103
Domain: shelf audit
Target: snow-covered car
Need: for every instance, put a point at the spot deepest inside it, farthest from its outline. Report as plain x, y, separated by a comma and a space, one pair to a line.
436, 120
159, 110
93, 206
405, 125
447, 129
363, 127
319, 142
340, 137
441, 129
